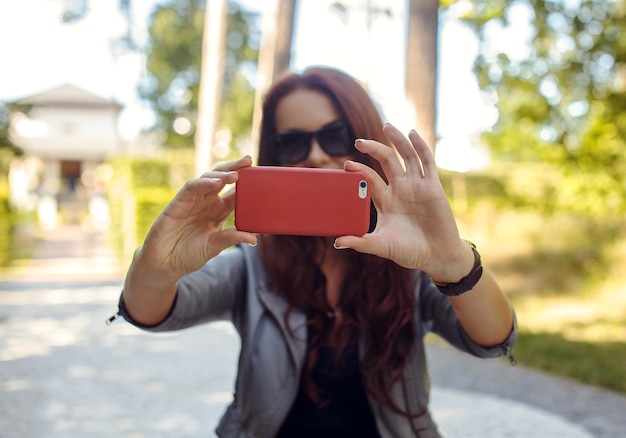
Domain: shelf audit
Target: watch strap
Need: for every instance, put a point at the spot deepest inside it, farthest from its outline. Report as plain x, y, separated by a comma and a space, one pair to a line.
466, 283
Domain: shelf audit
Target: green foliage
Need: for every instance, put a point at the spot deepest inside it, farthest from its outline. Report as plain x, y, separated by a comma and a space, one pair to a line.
140, 190
540, 187
173, 64
481, 12
564, 105
8, 151
6, 223
594, 363
559, 144
477, 188
149, 202
149, 173
238, 109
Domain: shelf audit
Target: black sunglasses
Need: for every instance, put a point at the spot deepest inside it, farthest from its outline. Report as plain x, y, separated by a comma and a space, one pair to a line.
294, 146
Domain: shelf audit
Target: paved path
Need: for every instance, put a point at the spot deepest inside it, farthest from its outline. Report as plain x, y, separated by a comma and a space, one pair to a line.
64, 373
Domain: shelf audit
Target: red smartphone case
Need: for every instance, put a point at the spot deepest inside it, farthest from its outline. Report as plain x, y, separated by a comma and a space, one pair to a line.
302, 201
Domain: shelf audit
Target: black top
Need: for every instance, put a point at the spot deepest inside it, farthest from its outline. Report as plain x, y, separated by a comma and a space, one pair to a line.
346, 414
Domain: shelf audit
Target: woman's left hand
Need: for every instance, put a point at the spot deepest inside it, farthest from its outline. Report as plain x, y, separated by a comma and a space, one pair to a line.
415, 227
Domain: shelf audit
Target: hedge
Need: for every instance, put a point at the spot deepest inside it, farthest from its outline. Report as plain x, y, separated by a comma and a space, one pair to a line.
141, 188
6, 224
539, 187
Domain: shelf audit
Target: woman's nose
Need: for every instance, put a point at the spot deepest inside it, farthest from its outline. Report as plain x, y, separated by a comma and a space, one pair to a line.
317, 156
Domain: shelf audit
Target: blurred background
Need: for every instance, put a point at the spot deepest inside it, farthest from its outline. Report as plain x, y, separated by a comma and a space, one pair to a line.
106, 108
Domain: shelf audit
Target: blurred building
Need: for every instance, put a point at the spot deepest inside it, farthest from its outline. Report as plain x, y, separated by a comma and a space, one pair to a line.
67, 134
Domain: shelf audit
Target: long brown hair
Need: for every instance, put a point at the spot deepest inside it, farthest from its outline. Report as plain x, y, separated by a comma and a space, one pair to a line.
377, 296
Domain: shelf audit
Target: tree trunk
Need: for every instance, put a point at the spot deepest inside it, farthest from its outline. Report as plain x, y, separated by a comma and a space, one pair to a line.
284, 36
274, 53
211, 79
421, 66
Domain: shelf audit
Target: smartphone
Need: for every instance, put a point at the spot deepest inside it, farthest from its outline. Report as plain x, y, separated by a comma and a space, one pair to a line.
302, 201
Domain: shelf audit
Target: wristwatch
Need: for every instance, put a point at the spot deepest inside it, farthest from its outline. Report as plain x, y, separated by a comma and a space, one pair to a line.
466, 283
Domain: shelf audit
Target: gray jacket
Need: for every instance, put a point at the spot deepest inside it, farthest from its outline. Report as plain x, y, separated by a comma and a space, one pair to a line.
233, 286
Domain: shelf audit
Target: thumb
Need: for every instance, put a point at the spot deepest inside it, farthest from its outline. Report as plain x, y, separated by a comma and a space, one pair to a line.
229, 237
367, 244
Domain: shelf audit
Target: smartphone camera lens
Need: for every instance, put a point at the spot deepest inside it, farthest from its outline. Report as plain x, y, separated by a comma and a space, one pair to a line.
363, 189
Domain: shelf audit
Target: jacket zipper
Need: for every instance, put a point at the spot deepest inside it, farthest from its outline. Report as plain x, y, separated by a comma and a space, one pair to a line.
508, 352
110, 320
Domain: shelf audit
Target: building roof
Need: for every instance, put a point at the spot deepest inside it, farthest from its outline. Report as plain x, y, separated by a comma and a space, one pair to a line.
68, 96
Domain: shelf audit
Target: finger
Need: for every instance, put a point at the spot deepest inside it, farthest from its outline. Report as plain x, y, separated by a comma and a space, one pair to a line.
196, 188
235, 165
368, 244
193, 194
228, 171
231, 236
232, 165
405, 148
207, 185
229, 177
377, 184
384, 154
227, 238
425, 153
229, 199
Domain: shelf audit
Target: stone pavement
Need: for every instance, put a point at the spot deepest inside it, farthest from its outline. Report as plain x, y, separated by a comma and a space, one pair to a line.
64, 373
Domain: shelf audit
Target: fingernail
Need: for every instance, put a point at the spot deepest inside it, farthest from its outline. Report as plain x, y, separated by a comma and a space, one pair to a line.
339, 247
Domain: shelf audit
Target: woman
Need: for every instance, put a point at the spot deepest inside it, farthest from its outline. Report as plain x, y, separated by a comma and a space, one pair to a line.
331, 329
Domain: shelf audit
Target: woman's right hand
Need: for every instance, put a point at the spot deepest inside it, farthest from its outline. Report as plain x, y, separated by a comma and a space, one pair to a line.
189, 230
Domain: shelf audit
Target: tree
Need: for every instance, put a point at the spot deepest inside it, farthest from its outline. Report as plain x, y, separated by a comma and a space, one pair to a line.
421, 60
284, 27
275, 51
8, 150
5, 121
210, 90
421, 65
174, 62
564, 103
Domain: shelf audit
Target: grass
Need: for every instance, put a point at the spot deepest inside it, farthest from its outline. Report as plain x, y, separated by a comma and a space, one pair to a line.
566, 278
583, 338
591, 362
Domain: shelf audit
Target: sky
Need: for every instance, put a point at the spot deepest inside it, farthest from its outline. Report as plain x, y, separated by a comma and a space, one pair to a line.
38, 52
